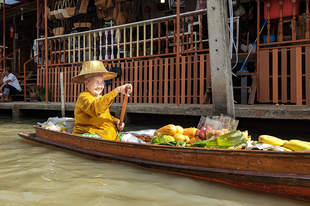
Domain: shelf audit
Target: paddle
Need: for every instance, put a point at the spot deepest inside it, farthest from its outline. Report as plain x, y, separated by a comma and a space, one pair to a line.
124, 106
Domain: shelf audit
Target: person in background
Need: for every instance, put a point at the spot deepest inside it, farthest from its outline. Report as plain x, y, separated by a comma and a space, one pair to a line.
92, 114
10, 85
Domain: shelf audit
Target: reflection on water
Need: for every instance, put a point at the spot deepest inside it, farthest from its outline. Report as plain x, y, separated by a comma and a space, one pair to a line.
35, 174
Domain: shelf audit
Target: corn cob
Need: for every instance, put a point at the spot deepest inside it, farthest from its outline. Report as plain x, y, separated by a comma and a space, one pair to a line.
296, 145
267, 139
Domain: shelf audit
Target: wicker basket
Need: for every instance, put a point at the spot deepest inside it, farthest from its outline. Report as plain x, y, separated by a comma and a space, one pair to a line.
82, 24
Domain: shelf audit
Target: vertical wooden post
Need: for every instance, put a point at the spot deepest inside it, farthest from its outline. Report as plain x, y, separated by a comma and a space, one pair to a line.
46, 53
294, 21
281, 21
307, 19
62, 94
3, 32
159, 25
222, 91
167, 35
178, 56
268, 21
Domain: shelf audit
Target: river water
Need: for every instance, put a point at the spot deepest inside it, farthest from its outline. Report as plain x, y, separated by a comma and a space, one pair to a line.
35, 174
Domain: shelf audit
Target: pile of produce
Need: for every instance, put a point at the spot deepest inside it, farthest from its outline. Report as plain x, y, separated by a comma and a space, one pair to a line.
289, 146
203, 137
207, 137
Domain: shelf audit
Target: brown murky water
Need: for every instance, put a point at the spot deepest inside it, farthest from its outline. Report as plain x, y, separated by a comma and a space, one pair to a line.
35, 174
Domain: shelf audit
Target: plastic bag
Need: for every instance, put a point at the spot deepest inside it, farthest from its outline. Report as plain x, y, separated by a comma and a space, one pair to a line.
131, 138
218, 122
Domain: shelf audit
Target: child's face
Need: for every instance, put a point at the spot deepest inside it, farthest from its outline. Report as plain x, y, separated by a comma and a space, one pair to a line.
95, 85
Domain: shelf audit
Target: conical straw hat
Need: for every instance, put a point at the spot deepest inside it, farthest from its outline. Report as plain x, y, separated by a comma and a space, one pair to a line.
93, 67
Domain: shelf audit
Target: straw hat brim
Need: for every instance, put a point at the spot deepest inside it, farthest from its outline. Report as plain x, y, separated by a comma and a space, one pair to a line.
81, 77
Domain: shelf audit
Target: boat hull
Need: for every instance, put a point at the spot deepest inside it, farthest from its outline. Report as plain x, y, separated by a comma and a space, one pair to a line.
283, 173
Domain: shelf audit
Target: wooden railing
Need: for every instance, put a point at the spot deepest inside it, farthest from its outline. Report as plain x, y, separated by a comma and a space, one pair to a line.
6, 58
284, 75
273, 7
153, 80
129, 41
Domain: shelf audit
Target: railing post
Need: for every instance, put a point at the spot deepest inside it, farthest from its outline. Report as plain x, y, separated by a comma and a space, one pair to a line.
221, 78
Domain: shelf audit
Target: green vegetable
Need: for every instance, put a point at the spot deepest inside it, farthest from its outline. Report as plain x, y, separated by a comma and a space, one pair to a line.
160, 139
227, 140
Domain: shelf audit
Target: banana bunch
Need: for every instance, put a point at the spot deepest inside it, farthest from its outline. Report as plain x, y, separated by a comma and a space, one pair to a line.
292, 145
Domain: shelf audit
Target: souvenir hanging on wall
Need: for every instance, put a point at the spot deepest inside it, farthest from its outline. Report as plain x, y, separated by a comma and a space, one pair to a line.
173, 4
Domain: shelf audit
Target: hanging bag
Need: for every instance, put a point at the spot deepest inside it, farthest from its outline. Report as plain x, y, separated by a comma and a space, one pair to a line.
52, 11
110, 4
71, 8
56, 10
115, 13
108, 14
61, 16
63, 10
84, 5
59, 30
102, 4
77, 8
120, 18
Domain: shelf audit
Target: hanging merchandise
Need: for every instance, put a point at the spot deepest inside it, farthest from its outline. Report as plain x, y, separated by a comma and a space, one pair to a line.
201, 4
84, 5
63, 6
173, 4
108, 15
147, 10
70, 8
60, 9
101, 4
110, 4
120, 18
11, 31
56, 10
115, 13
77, 7
91, 8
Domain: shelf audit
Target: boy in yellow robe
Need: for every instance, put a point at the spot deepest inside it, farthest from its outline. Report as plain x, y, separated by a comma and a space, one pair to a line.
92, 114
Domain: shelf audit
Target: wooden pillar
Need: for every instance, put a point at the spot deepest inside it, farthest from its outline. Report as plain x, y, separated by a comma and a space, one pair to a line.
220, 62
178, 56
46, 53
15, 60
3, 32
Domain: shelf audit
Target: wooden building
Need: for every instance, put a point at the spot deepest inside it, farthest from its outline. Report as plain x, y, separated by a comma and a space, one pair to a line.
144, 47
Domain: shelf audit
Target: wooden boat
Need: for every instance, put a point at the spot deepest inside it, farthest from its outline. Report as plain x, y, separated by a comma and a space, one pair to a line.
282, 173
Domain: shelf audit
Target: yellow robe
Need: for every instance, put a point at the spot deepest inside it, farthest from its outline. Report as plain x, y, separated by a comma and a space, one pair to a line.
92, 115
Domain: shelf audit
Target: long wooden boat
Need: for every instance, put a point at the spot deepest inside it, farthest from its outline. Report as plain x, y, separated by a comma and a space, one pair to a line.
282, 173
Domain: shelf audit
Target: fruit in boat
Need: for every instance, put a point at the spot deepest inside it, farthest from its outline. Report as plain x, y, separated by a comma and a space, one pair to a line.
179, 129
180, 137
193, 140
203, 129
286, 149
187, 139
267, 139
60, 124
202, 134
295, 140
190, 132
169, 138
169, 129
296, 145
197, 133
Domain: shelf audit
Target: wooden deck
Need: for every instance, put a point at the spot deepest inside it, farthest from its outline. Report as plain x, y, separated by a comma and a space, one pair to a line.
263, 111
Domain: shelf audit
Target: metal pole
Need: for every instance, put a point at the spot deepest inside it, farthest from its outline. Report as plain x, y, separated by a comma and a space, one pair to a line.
46, 54
178, 55
220, 62
62, 94
4, 34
